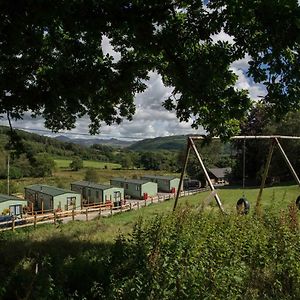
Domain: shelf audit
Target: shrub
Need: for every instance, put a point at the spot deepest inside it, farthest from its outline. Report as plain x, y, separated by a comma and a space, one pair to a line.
76, 164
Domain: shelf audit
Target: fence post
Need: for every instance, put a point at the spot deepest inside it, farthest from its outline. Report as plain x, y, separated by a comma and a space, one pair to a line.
54, 217
87, 214
100, 211
73, 214
111, 210
13, 223
151, 200
138, 205
145, 203
34, 220
130, 205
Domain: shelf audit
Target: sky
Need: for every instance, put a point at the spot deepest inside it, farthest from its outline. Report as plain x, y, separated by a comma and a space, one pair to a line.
151, 119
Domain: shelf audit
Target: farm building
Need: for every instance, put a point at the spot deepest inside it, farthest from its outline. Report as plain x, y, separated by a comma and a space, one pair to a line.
219, 175
45, 198
11, 204
97, 193
168, 184
137, 189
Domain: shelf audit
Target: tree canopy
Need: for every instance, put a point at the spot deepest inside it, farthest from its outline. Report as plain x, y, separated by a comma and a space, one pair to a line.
53, 64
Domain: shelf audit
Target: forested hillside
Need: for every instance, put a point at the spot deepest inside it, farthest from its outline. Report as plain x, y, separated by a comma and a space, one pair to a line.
38, 143
172, 143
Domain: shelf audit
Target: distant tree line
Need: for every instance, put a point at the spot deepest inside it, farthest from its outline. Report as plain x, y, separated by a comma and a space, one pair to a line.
230, 154
32, 155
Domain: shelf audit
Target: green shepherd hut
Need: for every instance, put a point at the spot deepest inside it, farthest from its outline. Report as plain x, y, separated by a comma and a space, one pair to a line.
98, 193
45, 198
12, 205
167, 184
135, 188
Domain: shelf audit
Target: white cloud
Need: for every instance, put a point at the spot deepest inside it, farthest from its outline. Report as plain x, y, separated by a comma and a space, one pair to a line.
151, 119
108, 49
240, 68
222, 36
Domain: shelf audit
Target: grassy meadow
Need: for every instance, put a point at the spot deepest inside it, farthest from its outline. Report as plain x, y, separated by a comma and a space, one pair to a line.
65, 164
275, 199
63, 176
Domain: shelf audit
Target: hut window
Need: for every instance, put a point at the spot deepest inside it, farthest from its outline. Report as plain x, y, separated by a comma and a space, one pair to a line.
126, 186
97, 194
71, 200
137, 187
89, 193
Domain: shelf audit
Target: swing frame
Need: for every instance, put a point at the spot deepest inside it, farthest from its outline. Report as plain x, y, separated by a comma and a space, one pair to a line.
274, 141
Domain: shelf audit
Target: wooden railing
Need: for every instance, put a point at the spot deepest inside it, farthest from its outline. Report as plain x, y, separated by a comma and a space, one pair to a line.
37, 217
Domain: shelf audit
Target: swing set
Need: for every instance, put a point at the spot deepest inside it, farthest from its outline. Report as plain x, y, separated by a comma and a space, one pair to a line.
243, 205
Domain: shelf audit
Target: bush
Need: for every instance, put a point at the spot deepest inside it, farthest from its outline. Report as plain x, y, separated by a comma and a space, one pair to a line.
185, 255
76, 164
43, 165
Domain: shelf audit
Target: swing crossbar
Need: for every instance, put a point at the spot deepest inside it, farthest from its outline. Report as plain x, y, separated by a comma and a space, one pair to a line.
251, 137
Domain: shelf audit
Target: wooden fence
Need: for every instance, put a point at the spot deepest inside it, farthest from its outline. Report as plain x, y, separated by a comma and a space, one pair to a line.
100, 209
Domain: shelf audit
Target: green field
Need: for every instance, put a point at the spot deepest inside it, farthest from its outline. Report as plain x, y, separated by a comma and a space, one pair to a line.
274, 199
65, 163
152, 253
62, 177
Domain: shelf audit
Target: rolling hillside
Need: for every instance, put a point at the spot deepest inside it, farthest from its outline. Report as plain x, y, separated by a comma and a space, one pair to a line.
95, 141
37, 143
171, 143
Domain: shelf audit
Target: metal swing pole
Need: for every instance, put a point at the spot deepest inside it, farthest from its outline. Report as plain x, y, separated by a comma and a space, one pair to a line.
218, 200
187, 153
266, 171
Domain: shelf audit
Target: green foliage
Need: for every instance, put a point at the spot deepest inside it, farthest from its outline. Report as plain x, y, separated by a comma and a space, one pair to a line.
213, 153
167, 257
76, 164
169, 143
91, 175
165, 160
257, 150
68, 75
43, 165
12, 187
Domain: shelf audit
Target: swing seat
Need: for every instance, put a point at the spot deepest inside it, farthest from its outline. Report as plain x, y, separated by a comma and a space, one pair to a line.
243, 206
298, 202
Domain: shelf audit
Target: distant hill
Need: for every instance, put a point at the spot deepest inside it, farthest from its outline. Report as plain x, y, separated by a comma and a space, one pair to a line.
171, 143
89, 142
65, 147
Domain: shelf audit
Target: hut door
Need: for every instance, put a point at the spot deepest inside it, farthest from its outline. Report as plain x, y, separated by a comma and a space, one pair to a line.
117, 196
15, 210
71, 203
